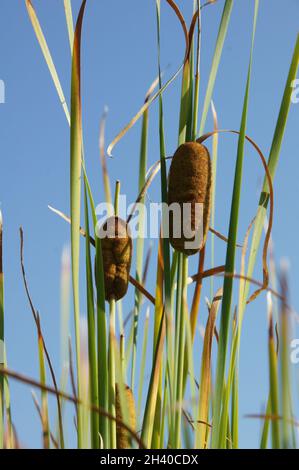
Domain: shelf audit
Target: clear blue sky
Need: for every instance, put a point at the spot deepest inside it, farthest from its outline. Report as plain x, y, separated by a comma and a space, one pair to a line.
118, 64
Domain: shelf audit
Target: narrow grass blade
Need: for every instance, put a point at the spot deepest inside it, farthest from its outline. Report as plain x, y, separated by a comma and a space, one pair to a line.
213, 190
182, 350
106, 179
92, 355
101, 322
235, 408
65, 296
205, 374
196, 4
44, 394
230, 261
75, 195
266, 426
69, 22
235, 360
273, 380
227, 9
111, 352
143, 363
47, 55
112, 359
141, 226
225, 439
149, 413
186, 110
121, 385
10, 442
272, 162
159, 309
164, 413
284, 369
165, 240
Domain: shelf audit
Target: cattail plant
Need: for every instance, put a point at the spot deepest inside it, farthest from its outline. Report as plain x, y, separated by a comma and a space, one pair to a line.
190, 185
117, 255
122, 435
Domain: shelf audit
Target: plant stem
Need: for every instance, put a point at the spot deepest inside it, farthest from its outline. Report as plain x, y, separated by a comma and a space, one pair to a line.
112, 374
116, 197
181, 353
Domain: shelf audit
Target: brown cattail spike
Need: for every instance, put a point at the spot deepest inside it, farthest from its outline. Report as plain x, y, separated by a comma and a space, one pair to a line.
122, 435
190, 181
117, 255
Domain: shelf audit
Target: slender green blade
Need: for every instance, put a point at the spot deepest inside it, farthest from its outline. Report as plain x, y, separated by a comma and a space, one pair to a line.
75, 191
112, 374
69, 21
93, 371
274, 391
149, 413
140, 239
10, 442
47, 55
44, 393
165, 240
101, 321
216, 60
143, 363
272, 163
266, 426
230, 261
284, 372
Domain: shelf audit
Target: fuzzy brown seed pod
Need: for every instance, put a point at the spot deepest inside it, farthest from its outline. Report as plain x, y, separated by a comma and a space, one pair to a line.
122, 435
117, 255
190, 181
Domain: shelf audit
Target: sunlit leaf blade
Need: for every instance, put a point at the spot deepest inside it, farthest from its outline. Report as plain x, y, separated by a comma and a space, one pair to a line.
159, 308
205, 374
44, 394
230, 261
216, 60
165, 247
75, 191
272, 162
93, 370
141, 224
103, 158
273, 379
47, 55
149, 413
102, 363
69, 21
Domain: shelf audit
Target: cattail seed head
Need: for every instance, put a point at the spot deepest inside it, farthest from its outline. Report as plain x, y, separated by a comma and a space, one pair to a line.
122, 435
117, 255
190, 181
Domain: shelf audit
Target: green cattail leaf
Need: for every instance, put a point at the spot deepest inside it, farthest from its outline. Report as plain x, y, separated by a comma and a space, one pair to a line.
75, 191
227, 9
47, 55
217, 432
